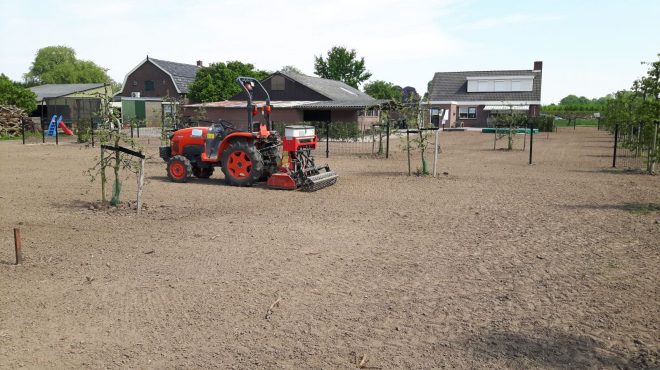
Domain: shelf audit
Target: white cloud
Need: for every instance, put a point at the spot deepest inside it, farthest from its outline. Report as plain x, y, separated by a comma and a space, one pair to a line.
509, 20
119, 34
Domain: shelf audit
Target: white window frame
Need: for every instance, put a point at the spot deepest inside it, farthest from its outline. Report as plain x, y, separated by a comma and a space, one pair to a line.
484, 86
501, 85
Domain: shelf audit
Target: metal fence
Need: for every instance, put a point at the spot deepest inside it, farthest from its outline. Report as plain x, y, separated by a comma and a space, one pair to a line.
37, 132
340, 138
635, 147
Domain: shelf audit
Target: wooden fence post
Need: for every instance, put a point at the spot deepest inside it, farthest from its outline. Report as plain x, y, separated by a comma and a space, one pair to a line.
140, 186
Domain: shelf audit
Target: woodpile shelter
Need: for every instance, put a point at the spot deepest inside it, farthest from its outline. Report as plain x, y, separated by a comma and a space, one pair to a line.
297, 98
474, 98
12, 120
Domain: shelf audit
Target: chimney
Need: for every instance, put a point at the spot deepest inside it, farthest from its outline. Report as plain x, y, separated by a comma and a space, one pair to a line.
538, 66
200, 64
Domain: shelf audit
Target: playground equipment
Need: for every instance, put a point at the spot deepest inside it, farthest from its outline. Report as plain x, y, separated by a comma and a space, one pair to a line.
55, 123
247, 157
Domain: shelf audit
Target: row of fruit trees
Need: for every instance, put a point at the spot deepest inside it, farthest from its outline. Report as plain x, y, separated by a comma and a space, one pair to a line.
634, 115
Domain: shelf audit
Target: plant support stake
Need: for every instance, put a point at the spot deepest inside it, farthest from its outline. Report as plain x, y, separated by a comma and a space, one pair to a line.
435, 155
616, 143
140, 185
654, 157
531, 141
408, 150
387, 139
17, 246
327, 139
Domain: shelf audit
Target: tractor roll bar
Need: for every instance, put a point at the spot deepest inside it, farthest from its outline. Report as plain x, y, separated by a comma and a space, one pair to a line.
244, 82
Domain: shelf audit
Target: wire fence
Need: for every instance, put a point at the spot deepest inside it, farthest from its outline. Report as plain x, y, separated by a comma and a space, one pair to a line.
635, 147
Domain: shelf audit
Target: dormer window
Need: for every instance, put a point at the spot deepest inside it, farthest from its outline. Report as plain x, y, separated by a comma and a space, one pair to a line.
500, 83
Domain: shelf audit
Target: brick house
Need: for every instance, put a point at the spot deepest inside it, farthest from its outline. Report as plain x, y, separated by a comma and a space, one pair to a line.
472, 98
150, 83
299, 98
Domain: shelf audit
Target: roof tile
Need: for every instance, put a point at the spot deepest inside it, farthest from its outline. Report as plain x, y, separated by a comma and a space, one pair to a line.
183, 74
453, 86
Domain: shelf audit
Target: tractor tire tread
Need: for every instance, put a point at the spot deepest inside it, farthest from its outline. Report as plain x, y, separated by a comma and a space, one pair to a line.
186, 163
255, 157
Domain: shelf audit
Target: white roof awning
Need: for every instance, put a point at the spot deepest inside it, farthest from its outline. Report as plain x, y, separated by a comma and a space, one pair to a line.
506, 107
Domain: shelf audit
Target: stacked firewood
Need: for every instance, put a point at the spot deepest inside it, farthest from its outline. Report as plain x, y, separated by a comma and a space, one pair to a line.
12, 120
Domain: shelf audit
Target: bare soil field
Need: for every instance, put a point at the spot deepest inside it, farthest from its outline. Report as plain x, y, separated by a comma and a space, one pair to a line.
495, 264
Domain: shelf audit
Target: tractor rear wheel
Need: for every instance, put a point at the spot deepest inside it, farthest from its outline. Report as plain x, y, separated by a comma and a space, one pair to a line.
242, 164
272, 160
179, 168
202, 173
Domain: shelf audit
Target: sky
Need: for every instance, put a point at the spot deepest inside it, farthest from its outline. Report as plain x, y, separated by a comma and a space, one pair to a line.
588, 48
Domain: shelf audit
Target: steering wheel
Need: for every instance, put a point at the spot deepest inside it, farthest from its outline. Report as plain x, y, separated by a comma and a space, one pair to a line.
225, 124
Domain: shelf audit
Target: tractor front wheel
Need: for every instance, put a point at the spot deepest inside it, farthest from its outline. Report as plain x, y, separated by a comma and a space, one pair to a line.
179, 168
242, 164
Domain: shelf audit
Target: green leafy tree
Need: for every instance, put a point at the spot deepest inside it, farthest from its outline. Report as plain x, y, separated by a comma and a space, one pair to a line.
218, 81
291, 69
637, 111
59, 65
509, 122
573, 103
574, 100
109, 133
383, 90
342, 64
80, 71
13, 94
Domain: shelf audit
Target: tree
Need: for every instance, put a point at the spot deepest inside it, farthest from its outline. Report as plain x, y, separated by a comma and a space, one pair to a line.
508, 122
13, 94
218, 81
410, 94
573, 103
383, 90
109, 133
342, 65
574, 100
59, 65
291, 69
638, 111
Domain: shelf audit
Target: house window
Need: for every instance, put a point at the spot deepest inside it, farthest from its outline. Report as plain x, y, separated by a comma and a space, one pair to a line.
148, 85
516, 85
485, 86
467, 112
134, 82
277, 83
501, 85
368, 112
434, 113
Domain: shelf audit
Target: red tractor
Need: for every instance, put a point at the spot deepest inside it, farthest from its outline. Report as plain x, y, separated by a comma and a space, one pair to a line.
247, 157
